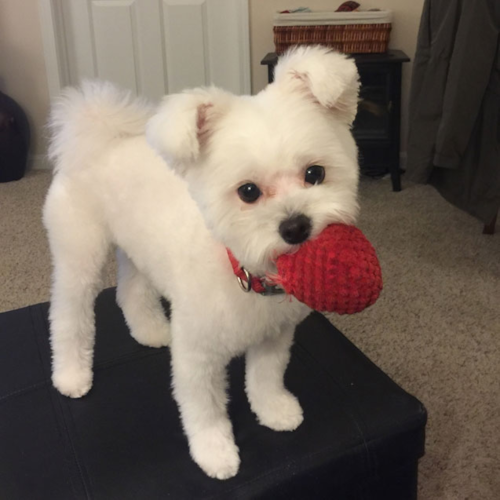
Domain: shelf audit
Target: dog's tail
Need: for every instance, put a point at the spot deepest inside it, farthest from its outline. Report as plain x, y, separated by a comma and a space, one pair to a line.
84, 122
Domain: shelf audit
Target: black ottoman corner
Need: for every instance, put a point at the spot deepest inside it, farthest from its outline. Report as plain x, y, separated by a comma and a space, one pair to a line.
361, 438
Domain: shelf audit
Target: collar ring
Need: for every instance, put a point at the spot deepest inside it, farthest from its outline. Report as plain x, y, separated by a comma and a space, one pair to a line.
246, 286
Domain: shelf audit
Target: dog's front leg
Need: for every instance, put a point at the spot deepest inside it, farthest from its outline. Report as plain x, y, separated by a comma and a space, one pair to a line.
266, 363
199, 382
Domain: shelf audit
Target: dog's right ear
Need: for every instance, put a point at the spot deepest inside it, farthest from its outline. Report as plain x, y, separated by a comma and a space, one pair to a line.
183, 124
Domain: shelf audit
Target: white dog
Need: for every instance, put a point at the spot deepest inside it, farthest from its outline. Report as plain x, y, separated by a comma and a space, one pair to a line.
173, 190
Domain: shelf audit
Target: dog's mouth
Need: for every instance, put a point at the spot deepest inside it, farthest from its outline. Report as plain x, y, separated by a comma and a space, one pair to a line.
290, 249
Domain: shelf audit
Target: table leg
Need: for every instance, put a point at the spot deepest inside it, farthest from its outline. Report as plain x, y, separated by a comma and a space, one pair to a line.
490, 228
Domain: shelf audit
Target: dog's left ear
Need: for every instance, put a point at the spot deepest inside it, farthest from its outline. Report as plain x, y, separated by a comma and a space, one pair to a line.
183, 124
327, 76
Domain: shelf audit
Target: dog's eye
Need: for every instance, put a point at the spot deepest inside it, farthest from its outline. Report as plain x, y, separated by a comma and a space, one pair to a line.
249, 192
315, 174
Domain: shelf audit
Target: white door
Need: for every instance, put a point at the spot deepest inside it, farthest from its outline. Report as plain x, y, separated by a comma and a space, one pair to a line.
152, 47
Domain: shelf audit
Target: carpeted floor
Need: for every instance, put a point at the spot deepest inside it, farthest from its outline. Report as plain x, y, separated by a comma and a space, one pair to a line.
435, 330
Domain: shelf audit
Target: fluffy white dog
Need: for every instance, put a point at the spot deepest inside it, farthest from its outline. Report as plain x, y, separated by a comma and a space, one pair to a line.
173, 189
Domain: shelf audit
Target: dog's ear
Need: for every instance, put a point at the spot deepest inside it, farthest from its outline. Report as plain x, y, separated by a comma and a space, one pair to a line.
183, 124
322, 74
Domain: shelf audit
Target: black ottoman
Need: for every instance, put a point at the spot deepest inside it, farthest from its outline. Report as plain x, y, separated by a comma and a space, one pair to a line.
361, 438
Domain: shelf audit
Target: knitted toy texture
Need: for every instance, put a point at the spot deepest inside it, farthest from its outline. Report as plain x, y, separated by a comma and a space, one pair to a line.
336, 272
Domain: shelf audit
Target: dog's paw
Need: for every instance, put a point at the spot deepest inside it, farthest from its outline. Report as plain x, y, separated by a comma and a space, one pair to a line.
216, 453
281, 412
73, 382
153, 333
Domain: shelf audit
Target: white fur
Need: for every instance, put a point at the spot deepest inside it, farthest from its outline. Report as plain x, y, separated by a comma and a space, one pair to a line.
172, 222
329, 76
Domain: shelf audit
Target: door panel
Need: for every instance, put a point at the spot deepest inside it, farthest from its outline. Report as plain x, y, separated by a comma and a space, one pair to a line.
186, 46
155, 47
114, 27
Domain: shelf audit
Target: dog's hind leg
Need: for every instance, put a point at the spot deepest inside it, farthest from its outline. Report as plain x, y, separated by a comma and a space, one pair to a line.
79, 244
141, 305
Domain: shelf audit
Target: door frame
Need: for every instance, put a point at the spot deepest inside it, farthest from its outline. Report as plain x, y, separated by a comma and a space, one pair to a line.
56, 57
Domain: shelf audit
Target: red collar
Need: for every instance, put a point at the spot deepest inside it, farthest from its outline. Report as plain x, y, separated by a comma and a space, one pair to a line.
248, 282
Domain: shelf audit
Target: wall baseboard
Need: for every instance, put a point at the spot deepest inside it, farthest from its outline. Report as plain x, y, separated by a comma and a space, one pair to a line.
39, 162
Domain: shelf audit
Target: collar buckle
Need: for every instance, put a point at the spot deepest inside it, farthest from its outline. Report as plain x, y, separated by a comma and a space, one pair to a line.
267, 289
270, 290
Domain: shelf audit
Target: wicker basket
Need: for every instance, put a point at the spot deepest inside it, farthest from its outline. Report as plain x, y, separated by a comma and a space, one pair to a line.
348, 32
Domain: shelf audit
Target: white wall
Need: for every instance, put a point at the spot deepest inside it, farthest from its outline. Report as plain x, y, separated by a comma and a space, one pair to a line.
406, 20
22, 66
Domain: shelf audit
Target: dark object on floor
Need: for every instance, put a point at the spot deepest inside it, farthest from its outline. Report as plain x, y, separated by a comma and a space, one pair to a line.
361, 437
454, 122
14, 140
377, 125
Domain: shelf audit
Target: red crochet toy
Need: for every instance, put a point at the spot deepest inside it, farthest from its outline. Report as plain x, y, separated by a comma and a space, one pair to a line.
336, 272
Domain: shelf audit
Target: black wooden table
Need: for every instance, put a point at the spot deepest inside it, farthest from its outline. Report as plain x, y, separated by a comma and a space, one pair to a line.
377, 124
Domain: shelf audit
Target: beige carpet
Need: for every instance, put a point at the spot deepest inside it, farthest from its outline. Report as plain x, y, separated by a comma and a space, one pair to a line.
435, 330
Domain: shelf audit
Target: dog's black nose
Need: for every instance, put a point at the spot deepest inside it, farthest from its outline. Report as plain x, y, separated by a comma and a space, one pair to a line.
296, 229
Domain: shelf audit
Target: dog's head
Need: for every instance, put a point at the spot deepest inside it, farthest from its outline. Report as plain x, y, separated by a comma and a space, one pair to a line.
273, 170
